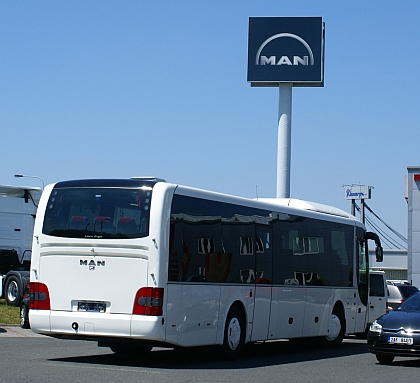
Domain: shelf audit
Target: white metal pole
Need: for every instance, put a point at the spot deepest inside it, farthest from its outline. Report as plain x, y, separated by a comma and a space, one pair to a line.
284, 140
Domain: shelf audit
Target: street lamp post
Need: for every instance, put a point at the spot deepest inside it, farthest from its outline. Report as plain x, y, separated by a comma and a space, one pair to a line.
24, 176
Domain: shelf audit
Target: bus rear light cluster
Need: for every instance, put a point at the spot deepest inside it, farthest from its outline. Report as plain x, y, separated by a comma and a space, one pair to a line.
148, 301
39, 298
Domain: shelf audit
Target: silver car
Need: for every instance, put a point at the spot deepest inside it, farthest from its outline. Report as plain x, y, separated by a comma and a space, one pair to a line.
398, 292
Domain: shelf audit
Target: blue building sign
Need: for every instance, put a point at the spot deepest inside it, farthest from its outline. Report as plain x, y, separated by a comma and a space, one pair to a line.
286, 50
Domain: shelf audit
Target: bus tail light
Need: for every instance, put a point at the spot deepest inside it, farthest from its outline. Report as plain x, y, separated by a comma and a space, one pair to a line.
148, 301
39, 296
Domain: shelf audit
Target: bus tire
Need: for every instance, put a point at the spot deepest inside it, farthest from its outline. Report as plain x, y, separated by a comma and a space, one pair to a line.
13, 291
24, 320
234, 334
336, 329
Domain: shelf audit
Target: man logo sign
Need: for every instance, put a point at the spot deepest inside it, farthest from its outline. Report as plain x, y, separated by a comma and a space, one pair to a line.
284, 60
286, 50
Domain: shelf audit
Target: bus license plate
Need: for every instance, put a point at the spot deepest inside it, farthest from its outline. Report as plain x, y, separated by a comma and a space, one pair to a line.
400, 340
98, 307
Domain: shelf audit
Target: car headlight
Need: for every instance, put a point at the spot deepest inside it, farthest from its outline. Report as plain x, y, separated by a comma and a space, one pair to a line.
375, 327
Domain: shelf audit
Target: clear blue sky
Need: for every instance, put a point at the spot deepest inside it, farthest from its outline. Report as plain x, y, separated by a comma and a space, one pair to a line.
101, 89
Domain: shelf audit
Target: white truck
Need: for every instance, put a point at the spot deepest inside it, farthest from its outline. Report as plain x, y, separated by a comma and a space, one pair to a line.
378, 295
18, 206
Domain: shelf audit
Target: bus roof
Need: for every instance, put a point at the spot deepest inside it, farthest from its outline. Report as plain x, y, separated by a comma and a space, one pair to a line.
108, 182
307, 205
150, 181
296, 205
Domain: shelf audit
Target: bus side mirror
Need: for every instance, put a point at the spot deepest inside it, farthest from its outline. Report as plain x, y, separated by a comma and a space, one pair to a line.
379, 254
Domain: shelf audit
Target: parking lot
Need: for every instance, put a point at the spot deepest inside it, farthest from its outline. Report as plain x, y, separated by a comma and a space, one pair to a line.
25, 356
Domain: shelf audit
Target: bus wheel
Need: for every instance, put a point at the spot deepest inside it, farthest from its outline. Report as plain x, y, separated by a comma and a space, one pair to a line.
24, 320
12, 291
234, 336
336, 329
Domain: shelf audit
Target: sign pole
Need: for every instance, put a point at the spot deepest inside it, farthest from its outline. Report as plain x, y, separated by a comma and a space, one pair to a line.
285, 52
362, 210
284, 140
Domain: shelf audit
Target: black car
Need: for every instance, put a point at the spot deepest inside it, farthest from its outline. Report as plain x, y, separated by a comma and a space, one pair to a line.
397, 333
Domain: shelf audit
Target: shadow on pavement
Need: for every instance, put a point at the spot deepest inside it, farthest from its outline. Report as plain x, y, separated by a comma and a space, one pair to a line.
254, 355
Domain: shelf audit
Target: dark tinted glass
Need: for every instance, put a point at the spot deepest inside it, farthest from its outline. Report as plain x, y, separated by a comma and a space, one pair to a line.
407, 290
98, 213
377, 286
412, 304
220, 242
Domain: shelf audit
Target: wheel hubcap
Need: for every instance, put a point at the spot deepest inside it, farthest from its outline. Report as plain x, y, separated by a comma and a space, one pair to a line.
234, 333
334, 328
12, 291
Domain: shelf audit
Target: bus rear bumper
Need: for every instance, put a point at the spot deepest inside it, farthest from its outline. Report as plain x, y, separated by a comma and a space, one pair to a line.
82, 325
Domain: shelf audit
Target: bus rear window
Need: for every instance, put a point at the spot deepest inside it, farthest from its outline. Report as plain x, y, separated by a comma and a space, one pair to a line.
102, 213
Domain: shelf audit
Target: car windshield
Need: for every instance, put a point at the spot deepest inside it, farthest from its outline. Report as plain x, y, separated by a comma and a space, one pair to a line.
412, 304
95, 212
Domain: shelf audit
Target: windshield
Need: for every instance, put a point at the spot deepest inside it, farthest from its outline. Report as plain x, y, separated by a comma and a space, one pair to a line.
98, 212
412, 304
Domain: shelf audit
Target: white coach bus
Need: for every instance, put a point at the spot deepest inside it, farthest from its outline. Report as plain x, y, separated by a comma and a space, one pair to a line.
140, 262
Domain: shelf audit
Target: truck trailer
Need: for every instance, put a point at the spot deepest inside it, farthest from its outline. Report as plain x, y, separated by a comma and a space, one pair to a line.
18, 206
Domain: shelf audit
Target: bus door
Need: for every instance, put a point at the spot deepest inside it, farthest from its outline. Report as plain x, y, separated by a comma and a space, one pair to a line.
263, 283
362, 277
289, 287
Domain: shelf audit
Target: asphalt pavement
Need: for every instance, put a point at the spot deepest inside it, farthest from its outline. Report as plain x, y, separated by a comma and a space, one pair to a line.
10, 331
29, 357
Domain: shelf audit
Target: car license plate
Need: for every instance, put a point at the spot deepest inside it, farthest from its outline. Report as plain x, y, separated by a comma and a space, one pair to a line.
99, 307
400, 340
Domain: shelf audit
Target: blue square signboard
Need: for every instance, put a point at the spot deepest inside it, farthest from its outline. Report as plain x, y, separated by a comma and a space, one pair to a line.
286, 50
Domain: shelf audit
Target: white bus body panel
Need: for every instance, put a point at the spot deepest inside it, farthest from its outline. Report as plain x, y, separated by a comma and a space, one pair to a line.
192, 314
196, 314
81, 280
262, 310
299, 311
196, 317
92, 273
287, 312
